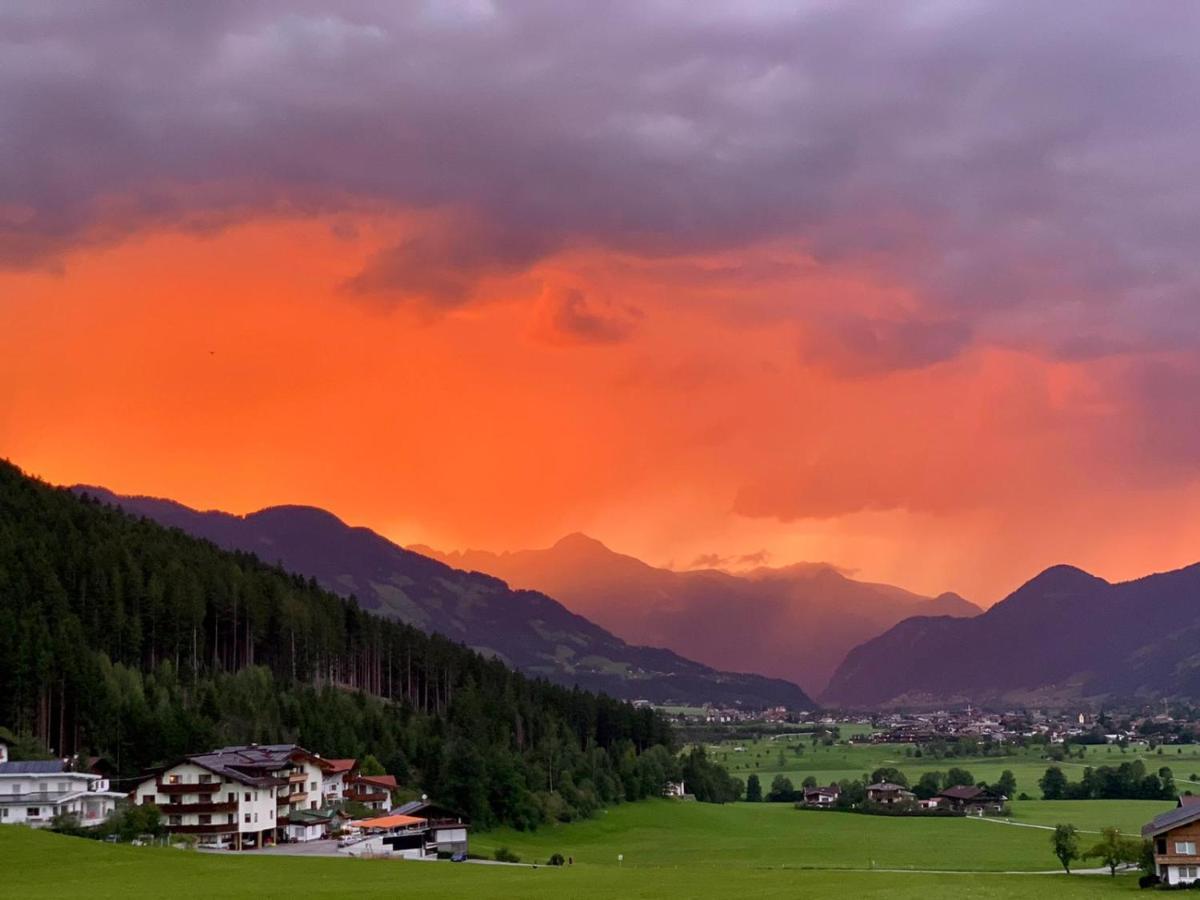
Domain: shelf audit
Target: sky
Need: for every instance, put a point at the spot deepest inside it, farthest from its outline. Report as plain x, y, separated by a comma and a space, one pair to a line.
910, 287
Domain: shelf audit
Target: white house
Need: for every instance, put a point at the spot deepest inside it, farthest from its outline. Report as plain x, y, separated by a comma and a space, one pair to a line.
34, 792
239, 797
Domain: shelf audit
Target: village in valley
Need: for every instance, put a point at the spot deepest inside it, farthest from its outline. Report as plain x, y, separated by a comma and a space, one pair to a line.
876, 776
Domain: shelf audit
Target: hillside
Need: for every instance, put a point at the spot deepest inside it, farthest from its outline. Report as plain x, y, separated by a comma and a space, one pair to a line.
526, 629
122, 638
1065, 634
795, 622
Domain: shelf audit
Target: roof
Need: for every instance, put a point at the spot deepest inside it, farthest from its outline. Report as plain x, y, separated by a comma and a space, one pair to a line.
387, 781
36, 767
1188, 799
309, 816
1181, 815
428, 810
886, 786
389, 822
337, 765
969, 792
831, 789
252, 764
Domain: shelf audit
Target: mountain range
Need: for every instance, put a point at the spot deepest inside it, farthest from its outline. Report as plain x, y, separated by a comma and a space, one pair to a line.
1064, 635
526, 629
796, 622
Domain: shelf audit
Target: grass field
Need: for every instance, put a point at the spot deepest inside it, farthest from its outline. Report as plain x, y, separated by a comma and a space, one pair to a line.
39, 865
699, 835
769, 758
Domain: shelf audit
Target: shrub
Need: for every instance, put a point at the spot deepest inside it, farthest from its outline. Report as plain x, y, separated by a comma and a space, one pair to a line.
503, 854
557, 860
1148, 881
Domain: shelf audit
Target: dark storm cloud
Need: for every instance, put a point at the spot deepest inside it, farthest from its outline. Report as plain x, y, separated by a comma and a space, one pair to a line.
1000, 158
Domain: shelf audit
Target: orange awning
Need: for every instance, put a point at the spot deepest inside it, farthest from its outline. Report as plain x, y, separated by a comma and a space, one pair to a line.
388, 822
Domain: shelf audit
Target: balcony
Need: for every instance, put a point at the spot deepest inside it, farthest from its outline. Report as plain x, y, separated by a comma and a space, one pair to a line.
174, 809
297, 778
221, 828
366, 796
291, 799
185, 787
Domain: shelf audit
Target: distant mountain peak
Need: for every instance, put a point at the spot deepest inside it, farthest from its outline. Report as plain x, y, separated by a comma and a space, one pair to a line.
577, 541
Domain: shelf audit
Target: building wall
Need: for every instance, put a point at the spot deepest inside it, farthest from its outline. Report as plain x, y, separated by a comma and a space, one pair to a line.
256, 806
1171, 860
50, 794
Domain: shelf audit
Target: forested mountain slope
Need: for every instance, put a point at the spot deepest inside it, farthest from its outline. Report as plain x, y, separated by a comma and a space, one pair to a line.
1063, 635
124, 638
527, 629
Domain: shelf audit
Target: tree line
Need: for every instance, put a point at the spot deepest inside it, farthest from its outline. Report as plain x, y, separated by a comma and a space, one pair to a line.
122, 638
1127, 781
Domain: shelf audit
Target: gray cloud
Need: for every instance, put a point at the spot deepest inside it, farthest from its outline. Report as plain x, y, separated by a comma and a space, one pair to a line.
997, 157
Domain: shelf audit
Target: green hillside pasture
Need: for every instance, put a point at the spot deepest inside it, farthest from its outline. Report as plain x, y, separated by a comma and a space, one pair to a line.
39, 866
700, 835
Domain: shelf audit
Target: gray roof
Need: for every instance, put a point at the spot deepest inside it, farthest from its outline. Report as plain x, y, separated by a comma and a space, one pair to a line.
251, 764
1181, 815
33, 767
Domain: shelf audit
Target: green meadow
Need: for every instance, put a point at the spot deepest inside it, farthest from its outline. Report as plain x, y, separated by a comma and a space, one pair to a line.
659, 833
796, 757
671, 849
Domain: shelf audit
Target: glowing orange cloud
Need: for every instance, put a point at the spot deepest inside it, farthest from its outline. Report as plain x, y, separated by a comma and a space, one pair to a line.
673, 407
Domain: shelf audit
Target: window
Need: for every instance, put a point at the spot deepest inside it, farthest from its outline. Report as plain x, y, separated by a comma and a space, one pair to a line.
206, 820
312, 786
17, 787
32, 812
62, 787
147, 798
256, 817
175, 798
4, 812
232, 797
272, 814
1187, 871
175, 820
206, 798
1185, 848
1160, 846
247, 797
247, 818
205, 779
231, 819
173, 779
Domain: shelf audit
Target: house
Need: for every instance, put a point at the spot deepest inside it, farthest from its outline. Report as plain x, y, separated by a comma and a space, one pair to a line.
675, 789
447, 828
238, 796
972, 800
885, 793
374, 791
929, 803
33, 792
1176, 835
416, 830
314, 824
337, 775
822, 796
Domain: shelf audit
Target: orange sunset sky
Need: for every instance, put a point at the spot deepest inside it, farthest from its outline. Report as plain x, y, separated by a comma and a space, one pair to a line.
691, 290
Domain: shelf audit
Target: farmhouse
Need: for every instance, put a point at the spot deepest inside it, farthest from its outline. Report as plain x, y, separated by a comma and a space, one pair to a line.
34, 792
822, 796
886, 793
1176, 835
972, 800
